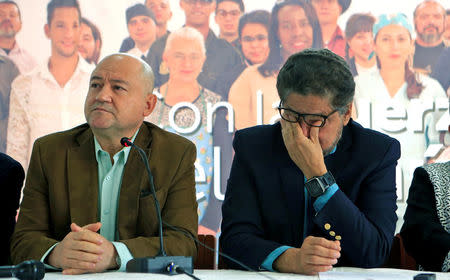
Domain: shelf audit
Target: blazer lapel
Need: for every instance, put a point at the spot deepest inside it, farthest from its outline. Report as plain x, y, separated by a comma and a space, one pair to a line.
134, 181
82, 180
335, 160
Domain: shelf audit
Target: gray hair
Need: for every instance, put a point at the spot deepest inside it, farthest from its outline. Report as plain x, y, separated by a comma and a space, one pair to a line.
185, 33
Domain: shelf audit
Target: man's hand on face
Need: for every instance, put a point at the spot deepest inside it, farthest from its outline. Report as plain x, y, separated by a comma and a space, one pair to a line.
306, 152
317, 254
83, 250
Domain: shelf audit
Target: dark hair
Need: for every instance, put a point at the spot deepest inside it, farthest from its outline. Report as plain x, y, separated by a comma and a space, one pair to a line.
275, 59
53, 4
357, 23
139, 10
447, 12
318, 72
15, 4
259, 16
97, 37
413, 86
239, 2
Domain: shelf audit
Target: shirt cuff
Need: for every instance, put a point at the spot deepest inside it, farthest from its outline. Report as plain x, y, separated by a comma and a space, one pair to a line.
323, 199
45, 256
124, 254
268, 262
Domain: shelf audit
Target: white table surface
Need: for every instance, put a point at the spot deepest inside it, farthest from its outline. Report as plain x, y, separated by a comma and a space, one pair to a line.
339, 273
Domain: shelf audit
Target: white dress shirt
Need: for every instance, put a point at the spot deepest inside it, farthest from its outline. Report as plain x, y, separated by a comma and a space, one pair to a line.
23, 60
40, 106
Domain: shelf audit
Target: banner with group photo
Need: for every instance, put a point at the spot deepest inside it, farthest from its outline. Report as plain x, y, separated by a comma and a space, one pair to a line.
234, 90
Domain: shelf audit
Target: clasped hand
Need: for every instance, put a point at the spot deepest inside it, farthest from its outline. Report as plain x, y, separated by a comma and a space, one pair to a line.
317, 254
83, 250
306, 152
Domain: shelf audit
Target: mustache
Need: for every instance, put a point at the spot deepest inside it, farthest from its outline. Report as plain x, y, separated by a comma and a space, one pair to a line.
101, 106
6, 21
431, 25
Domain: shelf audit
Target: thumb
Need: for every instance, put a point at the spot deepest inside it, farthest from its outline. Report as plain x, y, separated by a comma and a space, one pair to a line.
93, 227
75, 228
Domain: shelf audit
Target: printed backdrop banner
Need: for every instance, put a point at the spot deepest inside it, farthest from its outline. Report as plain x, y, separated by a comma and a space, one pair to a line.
211, 119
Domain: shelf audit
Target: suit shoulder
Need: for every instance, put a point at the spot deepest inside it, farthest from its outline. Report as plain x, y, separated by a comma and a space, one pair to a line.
257, 137
366, 137
159, 45
7, 162
63, 138
220, 45
167, 138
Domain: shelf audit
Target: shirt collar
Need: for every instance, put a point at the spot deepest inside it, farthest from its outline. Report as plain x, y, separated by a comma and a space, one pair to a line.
334, 150
337, 34
125, 150
82, 67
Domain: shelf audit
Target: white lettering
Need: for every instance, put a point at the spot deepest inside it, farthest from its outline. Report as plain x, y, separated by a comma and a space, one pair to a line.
186, 130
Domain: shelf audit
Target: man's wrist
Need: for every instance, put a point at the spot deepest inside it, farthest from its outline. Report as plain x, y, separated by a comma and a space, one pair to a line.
281, 264
115, 260
51, 259
315, 173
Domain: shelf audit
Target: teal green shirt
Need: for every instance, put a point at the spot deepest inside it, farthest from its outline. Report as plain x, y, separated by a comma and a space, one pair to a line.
109, 183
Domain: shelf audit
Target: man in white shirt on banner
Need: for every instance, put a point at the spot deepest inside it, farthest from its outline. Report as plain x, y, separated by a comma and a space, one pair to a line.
50, 98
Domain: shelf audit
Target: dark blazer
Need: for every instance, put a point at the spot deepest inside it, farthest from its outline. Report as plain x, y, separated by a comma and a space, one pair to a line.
62, 187
264, 202
11, 180
424, 236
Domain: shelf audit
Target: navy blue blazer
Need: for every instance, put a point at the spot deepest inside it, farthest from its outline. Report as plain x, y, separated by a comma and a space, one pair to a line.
11, 180
264, 202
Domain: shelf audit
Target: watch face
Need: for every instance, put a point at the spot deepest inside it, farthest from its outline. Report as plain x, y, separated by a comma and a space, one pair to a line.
314, 188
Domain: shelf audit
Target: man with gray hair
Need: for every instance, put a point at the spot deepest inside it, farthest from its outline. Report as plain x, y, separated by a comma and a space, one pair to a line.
429, 22
83, 181
307, 194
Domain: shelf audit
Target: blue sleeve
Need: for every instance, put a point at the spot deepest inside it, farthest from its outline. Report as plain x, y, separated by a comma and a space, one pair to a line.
323, 199
268, 262
124, 254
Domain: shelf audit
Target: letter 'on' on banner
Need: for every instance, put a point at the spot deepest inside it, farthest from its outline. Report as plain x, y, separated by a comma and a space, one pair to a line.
186, 130
210, 110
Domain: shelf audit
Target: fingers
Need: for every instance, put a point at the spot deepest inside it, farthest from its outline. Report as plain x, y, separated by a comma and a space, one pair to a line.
319, 261
320, 241
84, 256
91, 227
314, 269
320, 251
314, 134
87, 235
74, 227
74, 271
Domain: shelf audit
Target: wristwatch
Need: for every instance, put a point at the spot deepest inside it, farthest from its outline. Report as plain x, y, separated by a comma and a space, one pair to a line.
317, 186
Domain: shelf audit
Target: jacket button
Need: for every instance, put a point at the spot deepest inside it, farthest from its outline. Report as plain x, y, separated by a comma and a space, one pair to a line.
327, 226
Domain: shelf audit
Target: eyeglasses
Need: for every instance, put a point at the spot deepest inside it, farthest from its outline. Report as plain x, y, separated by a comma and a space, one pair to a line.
315, 120
259, 38
201, 2
232, 13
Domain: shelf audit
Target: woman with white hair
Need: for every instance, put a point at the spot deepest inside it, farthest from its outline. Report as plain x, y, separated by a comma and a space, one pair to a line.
184, 56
